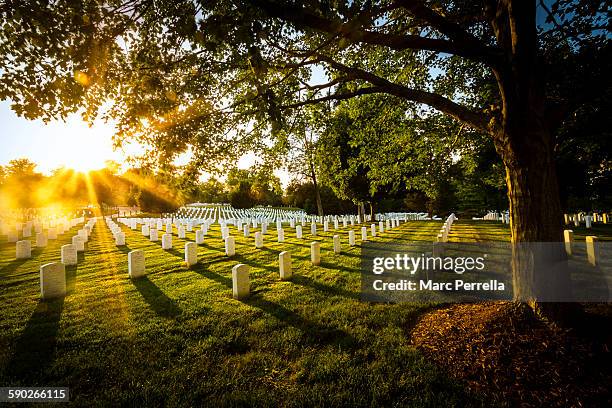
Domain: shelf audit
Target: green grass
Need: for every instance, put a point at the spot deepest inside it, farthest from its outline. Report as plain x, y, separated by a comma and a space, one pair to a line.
177, 338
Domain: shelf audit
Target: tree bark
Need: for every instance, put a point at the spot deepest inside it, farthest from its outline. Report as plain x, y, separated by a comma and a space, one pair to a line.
525, 143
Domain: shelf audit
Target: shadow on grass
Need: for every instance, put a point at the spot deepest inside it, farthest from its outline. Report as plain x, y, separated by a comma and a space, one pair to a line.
159, 302
34, 350
313, 333
71, 273
16, 263
201, 269
322, 287
124, 248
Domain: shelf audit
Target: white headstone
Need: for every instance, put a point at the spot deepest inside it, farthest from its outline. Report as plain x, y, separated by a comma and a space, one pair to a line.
281, 235
373, 228
258, 239
284, 265
153, 235
69, 254
298, 231
241, 285
168, 228
41, 240
381, 227
52, 280
167, 241
191, 253
364, 234
145, 230
230, 246
325, 226
246, 231
27, 231
337, 246
199, 237
181, 232
23, 249
588, 220
82, 233
120, 239
78, 242
315, 253
313, 229
136, 263
351, 235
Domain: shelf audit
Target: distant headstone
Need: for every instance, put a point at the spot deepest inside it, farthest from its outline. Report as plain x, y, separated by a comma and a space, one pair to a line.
337, 246
298, 231
351, 235
41, 240
23, 249
373, 228
167, 241
588, 220
82, 233
246, 231
78, 242
315, 253
69, 254
199, 237
364, 234
258, 239
52, 280
191, 253
241, 285
153, 235
284, 265
181, 232
381, 227
230, 246
325, 226
168, 228
136, 263
120, 239
145, 230
27, 231
313, 229
280, 235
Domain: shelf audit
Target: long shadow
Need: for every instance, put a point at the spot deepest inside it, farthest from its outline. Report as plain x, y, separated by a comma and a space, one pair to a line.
322, 287
203, 271
327, 265
81, 256
34, 349
71, 273
124, 248
312, 332
159, 302
16, 263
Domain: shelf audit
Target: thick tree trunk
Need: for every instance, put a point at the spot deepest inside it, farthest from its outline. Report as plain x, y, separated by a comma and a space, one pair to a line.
523, 139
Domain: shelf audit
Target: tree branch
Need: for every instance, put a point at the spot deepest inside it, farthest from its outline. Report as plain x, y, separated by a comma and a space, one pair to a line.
467, 46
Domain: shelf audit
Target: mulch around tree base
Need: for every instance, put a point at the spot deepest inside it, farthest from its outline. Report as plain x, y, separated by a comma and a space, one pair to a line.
504, 352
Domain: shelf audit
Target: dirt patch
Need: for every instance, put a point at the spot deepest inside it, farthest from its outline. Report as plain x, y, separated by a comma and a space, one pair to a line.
504, 351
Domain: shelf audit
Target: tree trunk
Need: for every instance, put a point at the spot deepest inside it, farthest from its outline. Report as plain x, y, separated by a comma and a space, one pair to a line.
539, 271
313, 175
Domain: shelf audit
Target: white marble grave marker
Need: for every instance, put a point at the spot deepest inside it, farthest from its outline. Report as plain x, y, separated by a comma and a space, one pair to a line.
41, 240
230, 246
136, 263
284, 265
120, 239
78, 242
167, 241
191, 253
351, 235
298, 231
337, 246
23, 249
315, 253
258, 239
52, 280
241, 285
69, 254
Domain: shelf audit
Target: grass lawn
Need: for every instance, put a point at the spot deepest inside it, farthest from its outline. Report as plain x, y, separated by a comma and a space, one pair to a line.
177, 338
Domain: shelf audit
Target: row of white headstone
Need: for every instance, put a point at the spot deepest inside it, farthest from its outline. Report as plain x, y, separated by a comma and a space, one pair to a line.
445, 229
587, 219
53, 275
240, 273
40, 230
